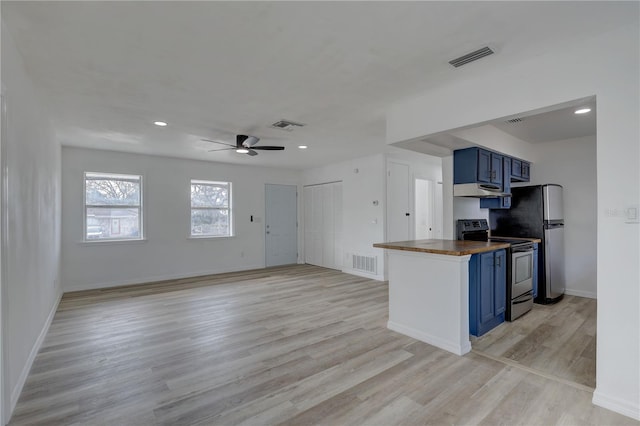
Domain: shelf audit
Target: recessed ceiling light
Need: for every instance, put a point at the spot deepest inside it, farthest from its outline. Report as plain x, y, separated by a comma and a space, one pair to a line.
583, 111
302, 146
242, 151
160, 123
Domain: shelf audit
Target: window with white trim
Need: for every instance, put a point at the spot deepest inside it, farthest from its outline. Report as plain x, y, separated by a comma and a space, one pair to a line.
211, 209
112, 207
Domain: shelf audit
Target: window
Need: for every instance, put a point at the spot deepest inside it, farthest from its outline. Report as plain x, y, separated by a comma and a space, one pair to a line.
210, 209
112, 207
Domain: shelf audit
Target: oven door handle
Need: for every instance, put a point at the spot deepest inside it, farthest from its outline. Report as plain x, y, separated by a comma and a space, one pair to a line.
522, 249
522, 301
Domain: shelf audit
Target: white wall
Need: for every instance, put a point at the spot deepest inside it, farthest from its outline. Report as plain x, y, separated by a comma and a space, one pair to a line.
167, 251
362, 221
572, 164
32, 157
606, 66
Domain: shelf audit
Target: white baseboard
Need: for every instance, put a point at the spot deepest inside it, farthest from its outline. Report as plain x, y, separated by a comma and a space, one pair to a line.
580, 293
625, 407
156, 278
447, 345
363, 274
22, 379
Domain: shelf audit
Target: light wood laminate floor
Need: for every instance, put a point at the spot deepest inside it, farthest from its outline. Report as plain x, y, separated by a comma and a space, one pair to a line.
559, 340
295, 345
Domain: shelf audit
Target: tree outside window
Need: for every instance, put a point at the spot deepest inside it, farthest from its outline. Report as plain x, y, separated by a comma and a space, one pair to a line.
210, 209
113, 206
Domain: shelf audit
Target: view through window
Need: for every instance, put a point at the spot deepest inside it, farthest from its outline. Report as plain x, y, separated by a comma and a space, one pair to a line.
112, 207
210, 209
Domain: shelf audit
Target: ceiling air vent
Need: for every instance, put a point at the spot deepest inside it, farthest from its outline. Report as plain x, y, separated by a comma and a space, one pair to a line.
470, 57
514, 120
286, 125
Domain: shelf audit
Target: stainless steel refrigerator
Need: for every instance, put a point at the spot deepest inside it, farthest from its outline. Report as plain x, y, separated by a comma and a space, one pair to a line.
536, 212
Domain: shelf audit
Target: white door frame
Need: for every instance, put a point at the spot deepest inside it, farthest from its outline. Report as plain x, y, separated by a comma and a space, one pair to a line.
5, 403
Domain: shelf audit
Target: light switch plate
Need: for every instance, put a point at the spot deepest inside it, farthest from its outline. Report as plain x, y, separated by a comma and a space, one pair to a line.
632, 214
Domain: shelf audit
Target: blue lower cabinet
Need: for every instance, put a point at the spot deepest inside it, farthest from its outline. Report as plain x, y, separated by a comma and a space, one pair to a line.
487, 291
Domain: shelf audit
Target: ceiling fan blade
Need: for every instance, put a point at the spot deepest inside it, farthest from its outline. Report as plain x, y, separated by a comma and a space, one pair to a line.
250, 141
222, 143
221, 149
252, 152
269, 148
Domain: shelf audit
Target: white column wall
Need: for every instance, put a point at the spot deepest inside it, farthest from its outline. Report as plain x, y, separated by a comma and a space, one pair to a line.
32, 161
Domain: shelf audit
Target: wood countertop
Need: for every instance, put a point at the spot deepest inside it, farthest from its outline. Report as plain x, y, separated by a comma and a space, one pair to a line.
447, 247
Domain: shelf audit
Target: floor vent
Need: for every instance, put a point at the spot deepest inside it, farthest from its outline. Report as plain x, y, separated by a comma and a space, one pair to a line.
365, 263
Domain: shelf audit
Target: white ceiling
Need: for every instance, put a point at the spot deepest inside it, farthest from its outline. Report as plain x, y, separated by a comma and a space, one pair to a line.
107, 70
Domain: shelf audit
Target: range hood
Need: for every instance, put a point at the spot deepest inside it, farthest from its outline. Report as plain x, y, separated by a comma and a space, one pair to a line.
479, 190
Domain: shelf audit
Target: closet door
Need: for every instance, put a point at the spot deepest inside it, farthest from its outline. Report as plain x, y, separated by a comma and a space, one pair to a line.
328, 217
312, 226
323, 225
337, 225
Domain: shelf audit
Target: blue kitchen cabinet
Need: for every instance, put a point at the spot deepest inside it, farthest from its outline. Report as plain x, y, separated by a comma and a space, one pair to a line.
525, 172
535, 270
502, 202
520, 170
472, 165
487, 291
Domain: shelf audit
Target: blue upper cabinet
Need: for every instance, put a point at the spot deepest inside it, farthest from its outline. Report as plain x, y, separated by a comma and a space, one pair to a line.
473, 165
503, 202
520, 170
478, 165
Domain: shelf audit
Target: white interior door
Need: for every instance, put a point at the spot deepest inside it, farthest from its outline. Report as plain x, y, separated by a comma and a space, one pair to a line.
281, 224
328, 248
438, 211
424, 209
337, 225
323, 225
398, 208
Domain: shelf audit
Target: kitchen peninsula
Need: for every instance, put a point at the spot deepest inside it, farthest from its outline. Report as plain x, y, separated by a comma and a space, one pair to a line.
429, 289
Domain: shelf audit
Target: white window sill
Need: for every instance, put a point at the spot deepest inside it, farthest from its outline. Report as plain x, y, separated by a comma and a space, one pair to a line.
209, 237
112, 242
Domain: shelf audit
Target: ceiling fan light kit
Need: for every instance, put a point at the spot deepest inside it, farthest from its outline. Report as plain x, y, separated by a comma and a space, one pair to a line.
245, 145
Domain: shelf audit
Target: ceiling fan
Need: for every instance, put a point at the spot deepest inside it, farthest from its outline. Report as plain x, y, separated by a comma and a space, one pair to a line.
245, 145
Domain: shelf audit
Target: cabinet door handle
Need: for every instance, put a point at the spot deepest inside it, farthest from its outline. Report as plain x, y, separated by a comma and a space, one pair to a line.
497, 261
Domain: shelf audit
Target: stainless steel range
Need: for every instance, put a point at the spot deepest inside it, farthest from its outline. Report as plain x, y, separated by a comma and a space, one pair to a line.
519, 265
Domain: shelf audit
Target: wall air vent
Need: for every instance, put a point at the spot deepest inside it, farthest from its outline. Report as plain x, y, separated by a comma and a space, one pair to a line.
514, 120
470, 57
365, 263
286, 125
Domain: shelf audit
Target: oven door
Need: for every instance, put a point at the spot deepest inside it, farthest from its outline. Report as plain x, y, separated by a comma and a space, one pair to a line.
521, 271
